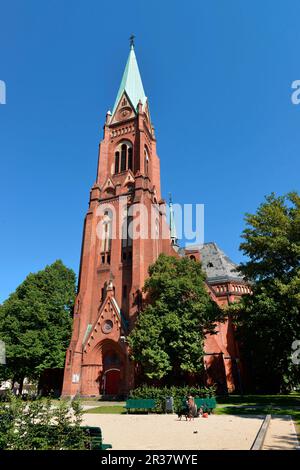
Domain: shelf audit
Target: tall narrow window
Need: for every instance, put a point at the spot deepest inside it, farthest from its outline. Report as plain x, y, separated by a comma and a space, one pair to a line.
123, 157
130, 167
117, 162
126, 238
129, 231
146, 163
106, 237
124, 292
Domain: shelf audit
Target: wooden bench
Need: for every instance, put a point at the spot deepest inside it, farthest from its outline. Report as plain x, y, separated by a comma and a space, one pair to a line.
95, 435
140, 404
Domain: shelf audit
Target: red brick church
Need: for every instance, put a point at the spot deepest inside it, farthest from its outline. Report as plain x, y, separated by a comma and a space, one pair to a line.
114, 265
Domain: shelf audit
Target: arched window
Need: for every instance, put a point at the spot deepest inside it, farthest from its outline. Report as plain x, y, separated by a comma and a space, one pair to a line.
123, 157
117, 162
130, 167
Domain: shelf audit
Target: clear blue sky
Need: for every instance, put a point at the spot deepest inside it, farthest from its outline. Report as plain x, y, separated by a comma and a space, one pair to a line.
218, 76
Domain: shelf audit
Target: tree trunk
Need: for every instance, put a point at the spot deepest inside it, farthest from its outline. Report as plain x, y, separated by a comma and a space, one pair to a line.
13, 381
21, 385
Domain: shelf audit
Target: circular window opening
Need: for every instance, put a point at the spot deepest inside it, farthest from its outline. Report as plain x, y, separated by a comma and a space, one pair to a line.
107, 326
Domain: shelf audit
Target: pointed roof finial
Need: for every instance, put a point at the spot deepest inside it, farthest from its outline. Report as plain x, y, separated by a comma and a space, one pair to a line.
131, 39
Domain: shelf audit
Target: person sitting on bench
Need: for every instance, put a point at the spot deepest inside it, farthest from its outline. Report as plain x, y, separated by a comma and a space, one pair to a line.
192, 407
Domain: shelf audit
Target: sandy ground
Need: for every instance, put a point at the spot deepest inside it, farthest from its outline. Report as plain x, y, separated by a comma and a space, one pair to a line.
281, 434
146, 432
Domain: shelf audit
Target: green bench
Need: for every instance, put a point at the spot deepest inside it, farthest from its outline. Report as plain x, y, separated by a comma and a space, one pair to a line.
207, 404
95, 438
140, 404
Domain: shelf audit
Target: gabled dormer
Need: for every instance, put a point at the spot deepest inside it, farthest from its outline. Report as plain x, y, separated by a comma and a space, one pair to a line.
129, 180
124, 110
108, 187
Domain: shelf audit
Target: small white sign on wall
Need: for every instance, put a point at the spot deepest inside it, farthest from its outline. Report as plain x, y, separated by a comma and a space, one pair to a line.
75, 378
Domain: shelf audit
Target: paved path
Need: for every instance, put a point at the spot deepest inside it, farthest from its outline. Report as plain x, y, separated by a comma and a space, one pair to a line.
281, 434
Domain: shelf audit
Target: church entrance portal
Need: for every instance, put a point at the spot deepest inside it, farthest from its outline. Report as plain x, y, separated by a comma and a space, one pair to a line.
112, 382
112, 374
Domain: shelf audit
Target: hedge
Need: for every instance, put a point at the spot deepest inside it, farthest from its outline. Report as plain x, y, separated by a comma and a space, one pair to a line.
178, 393
29, 426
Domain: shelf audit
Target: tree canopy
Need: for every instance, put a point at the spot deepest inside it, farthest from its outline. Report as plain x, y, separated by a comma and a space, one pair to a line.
272, 239
168, 337
36, 322
268, 321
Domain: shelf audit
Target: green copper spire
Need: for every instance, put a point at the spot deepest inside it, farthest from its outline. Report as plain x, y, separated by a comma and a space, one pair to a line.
173, 234
131, 81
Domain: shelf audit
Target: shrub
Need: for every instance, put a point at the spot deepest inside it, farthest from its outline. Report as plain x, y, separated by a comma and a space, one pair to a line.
40, 425
178, 393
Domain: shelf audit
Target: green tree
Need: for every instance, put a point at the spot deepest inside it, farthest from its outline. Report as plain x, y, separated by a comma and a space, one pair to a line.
36, 321
167, 340
268, 321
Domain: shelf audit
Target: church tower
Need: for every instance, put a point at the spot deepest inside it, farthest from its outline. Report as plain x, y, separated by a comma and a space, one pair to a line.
116, 254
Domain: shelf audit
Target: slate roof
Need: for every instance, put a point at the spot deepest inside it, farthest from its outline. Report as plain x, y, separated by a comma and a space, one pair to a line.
217, 266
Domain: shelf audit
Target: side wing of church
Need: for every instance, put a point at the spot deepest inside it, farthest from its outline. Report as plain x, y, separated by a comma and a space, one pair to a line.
114, 264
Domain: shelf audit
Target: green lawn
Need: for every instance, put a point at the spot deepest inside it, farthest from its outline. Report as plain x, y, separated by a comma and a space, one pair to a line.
113, 409
292, 399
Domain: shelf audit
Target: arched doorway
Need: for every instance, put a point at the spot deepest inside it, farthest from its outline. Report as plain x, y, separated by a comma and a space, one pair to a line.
111, 379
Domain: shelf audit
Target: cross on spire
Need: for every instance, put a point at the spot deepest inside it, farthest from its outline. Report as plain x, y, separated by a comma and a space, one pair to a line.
131, 39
